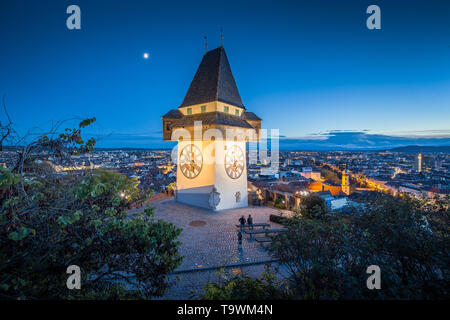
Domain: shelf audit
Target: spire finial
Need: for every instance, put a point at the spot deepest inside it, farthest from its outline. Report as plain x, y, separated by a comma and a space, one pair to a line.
206, 43
221, 37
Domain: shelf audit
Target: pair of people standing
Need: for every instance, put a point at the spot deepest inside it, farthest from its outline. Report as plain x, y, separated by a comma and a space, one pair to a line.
249, 221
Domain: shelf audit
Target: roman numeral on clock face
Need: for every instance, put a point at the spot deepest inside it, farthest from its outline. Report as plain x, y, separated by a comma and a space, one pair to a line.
191, 161
234, 162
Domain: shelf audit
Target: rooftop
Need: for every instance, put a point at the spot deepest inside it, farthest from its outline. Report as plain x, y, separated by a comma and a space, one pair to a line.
213, 81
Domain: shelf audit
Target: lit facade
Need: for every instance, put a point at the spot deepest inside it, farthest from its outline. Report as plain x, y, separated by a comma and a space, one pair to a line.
212, 127
345, 182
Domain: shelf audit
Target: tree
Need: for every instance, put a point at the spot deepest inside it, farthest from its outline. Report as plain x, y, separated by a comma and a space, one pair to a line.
329, 175
327, 258
279, 204
312, 206
314, 252
7, 131
49, 221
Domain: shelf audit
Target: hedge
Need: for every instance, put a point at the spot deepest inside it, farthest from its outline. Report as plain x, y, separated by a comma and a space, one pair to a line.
278, 219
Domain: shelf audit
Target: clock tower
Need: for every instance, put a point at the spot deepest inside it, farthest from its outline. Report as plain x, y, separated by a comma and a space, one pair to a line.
212, 127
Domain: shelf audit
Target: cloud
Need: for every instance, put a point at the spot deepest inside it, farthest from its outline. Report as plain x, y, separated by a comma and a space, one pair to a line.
351, 140
152, 140
331, 140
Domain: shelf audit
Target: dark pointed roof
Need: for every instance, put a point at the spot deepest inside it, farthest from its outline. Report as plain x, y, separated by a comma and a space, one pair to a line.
212, 118
173, 114
250, 116
213, 81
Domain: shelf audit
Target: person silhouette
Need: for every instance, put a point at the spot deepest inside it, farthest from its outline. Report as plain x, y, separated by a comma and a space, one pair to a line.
242, 221
250, 221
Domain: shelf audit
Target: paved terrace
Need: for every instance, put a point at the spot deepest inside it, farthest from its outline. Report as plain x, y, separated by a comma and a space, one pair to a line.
209, 241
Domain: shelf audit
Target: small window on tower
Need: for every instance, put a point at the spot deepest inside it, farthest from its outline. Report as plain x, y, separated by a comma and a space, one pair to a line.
226, 109
189, 111
237, 112
203, 108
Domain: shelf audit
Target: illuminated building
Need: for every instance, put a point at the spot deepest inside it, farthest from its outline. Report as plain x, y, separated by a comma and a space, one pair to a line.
345, 182
419, 162
212, 127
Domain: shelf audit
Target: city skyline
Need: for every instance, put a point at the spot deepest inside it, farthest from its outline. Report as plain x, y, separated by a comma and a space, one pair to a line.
312, 70
225, 155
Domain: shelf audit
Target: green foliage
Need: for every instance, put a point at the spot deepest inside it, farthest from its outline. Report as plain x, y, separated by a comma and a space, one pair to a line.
71, 138
330, 175
328, 257
49, 222
172, 186
149, 193
315, 271
21, 233
242, 287
279, 204
278, 219
92, 231
7, 178
105, 187
312, 206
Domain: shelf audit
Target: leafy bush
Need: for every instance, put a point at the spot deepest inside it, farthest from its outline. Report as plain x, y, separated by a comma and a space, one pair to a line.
279, 204
336, 250
242, 287
327, 258
313, 206
50, 221
278, 219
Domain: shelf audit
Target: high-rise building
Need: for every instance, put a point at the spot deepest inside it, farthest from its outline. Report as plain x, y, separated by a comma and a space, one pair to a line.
437, 164
212, 127
419, 162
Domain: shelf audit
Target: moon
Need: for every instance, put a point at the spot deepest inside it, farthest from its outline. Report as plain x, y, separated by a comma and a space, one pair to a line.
146, 55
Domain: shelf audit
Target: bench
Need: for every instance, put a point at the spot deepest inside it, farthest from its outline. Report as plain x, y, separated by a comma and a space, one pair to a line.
265, 231
263, 239
246, 226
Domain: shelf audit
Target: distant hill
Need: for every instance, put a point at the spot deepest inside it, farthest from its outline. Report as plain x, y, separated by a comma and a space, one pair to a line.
417, 149
131, 149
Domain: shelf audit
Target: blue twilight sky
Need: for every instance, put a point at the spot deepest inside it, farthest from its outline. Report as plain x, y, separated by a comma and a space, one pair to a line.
310, 68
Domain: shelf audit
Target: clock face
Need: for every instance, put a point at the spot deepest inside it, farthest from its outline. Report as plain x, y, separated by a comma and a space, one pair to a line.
234, 162
191, 161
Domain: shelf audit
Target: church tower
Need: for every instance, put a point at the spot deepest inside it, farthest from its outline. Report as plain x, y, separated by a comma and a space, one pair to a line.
212, 127
345, 182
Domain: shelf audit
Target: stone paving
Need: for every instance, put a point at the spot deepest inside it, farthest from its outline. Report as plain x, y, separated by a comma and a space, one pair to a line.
212, 244
215, 243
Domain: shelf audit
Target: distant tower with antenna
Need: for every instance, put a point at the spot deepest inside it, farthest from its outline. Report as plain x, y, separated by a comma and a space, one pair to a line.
419, 162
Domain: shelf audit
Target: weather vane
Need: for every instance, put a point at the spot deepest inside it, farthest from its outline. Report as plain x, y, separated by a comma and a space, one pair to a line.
221, 37
206, 43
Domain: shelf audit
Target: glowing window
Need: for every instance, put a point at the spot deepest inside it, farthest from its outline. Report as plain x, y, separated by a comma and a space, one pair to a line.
203, 109
189, 111
226, 109
237, 112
